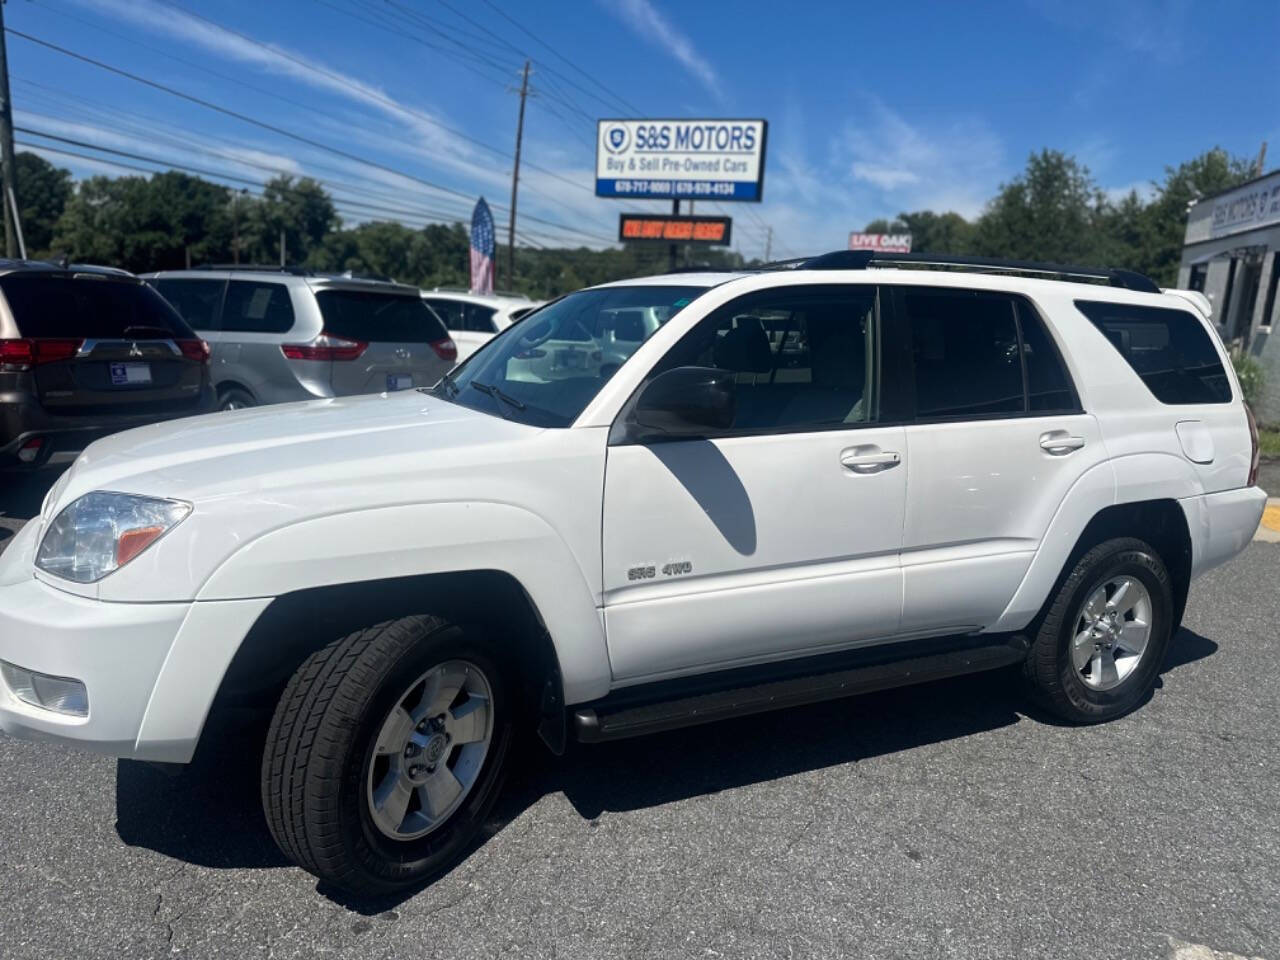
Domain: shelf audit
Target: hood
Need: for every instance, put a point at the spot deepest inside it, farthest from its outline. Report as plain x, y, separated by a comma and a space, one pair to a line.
248, 451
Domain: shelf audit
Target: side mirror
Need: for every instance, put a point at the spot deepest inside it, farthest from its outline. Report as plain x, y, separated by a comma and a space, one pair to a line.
686, 403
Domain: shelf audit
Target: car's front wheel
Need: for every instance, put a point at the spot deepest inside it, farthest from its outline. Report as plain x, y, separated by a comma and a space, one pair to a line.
386, 753
1103, 638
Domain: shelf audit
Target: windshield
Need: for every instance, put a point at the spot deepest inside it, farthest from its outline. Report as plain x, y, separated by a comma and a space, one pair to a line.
546, 369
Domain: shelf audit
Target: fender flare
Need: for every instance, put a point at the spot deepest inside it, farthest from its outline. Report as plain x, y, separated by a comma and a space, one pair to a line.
362, 546
417, 539
1131, 478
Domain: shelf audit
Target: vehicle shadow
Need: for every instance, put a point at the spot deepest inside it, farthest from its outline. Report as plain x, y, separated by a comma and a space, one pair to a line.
209, 812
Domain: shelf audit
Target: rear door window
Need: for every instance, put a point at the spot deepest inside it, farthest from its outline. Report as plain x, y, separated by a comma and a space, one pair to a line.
1049, 387
199, 301
1169, 349
374, 317
255, 307
87, 306
965, 348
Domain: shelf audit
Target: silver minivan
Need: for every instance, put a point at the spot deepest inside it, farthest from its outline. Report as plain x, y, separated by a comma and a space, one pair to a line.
278, 335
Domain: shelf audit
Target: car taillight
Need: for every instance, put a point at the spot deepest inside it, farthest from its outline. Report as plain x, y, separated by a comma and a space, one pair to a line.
445, 349
1255, 455
31, 352
325, 347
197, 350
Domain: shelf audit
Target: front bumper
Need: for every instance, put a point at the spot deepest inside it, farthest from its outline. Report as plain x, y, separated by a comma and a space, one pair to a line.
151, 670
116, 649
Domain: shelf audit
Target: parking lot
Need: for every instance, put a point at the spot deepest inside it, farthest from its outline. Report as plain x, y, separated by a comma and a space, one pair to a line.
946, 820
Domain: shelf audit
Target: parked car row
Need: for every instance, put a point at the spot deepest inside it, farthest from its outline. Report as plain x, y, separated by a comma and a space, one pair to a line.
86, 351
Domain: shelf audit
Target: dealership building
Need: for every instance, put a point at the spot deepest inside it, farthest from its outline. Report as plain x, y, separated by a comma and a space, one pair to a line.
1232, 254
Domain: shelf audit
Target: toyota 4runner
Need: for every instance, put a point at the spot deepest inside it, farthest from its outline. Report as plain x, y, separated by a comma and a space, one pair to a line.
802, 483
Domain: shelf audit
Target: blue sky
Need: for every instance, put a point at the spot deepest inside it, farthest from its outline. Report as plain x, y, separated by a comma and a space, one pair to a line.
873, 108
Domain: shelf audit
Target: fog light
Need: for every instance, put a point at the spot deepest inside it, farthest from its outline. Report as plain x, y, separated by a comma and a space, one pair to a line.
59, 694
30, 450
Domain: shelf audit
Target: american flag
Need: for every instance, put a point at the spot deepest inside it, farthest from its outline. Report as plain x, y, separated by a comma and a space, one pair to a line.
481, 249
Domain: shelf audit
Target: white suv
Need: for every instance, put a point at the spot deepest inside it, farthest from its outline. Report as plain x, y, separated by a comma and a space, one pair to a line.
472, 319
806, 483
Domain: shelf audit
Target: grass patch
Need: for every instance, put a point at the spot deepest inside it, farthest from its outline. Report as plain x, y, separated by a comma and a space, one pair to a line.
1269, 441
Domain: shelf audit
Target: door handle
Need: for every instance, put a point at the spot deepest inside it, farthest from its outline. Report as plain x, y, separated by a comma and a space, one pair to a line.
1059, 443
871, 461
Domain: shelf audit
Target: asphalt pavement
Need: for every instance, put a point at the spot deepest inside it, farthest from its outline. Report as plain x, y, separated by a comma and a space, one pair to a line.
948, 820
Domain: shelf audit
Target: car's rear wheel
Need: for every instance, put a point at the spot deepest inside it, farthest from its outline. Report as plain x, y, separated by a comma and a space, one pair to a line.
1102, 640
233, 398
386, 753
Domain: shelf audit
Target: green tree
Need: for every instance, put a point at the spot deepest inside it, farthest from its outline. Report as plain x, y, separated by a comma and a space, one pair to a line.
1052, 212
160, 223
42, 191
302, 209
1165, 217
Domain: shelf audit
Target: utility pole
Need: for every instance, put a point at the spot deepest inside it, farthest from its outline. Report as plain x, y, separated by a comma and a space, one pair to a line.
671, 248
515, 182
1262, 158
6, 149
283, 262
768, 244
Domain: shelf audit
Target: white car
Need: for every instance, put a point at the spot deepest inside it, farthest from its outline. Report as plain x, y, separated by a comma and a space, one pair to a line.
953, 471
472, 319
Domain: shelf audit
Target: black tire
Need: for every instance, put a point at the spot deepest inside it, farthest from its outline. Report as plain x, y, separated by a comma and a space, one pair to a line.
233, 398
317, 756
1050, 673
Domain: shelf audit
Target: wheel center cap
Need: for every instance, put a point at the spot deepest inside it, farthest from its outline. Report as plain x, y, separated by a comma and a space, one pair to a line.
434, 749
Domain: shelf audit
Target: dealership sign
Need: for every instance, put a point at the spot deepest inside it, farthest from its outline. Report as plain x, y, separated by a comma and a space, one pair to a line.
674, 229
881, 242
681, 159
1247, 208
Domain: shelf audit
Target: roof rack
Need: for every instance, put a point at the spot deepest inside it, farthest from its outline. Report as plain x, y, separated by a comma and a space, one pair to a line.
255, 268
862, 259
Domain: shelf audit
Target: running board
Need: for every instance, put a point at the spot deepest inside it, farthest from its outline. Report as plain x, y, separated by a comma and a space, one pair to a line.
627, 715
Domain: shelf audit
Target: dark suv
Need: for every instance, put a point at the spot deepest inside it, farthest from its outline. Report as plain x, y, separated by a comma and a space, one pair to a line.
85, 352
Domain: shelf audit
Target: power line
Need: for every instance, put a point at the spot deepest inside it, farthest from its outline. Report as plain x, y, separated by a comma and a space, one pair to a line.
270, 127
572, 83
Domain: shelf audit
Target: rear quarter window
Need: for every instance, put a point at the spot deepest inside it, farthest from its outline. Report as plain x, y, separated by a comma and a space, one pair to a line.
1169, 349
374, 317
68, 305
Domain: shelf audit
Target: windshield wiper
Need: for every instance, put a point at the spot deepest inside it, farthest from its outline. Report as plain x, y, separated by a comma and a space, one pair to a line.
492, 391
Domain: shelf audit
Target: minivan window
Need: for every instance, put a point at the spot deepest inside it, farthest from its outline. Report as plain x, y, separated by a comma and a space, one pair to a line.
965, 348
372, 316
1169, 349
197, 300
67, 305
547, 368
255, 307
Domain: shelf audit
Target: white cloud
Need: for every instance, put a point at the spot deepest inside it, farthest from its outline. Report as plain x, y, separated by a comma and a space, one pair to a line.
382, 125
954, 167
646, 20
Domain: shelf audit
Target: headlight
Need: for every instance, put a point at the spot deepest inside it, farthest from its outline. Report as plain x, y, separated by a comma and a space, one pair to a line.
101, 532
